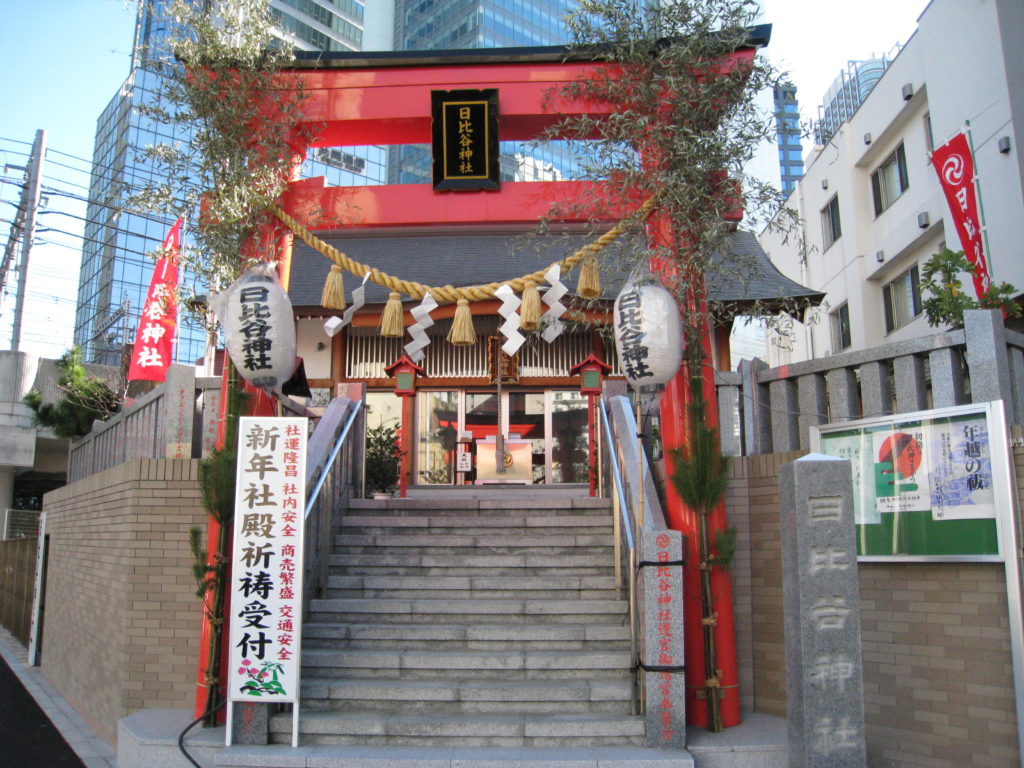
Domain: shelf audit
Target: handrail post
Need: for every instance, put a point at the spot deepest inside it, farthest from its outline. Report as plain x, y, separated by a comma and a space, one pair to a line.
617, 543
635, 705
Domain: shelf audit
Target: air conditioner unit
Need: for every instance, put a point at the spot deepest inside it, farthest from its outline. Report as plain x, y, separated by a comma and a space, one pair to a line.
923, 220
824, 183
1003, 144
908, 91
867, 138
879, 256
20, 524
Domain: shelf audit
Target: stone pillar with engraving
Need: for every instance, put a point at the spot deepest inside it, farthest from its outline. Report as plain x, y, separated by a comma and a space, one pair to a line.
821, 599
661, 631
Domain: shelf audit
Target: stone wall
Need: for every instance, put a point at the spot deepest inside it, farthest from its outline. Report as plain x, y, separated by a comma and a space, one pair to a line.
937, 666
122, 620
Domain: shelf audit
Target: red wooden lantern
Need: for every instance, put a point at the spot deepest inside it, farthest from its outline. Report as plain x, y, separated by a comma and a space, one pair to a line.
404, 371
591, 371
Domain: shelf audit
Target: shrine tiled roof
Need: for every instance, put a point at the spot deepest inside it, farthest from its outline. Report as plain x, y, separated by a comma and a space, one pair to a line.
745, 276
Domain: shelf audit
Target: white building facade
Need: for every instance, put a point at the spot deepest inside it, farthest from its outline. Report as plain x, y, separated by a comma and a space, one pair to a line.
871, 208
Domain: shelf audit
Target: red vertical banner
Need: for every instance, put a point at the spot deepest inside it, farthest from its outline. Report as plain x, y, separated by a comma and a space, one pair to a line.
954, 163
152, 353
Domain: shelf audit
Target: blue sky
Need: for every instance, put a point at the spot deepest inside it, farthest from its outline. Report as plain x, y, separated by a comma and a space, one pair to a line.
63, 60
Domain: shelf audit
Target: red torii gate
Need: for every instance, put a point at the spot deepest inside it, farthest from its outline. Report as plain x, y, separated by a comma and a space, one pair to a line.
381, 99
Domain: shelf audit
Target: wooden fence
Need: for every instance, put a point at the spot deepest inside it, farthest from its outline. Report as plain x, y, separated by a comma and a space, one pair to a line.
17, 576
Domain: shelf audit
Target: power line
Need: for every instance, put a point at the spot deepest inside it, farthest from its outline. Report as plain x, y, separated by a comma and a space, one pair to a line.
85, 239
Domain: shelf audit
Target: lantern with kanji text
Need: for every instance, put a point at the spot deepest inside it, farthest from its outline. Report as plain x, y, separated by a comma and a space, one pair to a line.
648, 333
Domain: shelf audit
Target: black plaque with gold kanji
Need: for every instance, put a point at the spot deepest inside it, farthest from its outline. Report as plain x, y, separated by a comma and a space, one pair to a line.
465, 133
500, 364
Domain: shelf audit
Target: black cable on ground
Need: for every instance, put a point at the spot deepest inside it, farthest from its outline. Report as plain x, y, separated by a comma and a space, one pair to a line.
189, 727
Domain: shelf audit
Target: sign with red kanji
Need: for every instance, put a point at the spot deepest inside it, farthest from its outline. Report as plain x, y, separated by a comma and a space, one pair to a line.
267, 560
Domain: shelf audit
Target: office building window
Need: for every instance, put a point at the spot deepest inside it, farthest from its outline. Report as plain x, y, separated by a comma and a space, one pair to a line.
890, 180
929, 137
841, 329
831, 226
902, 299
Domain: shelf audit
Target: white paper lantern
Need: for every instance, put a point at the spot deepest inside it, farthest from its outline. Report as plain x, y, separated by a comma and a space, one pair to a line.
648, 333
259, 328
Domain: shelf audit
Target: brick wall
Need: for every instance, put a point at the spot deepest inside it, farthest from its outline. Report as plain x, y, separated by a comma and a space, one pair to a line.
938, 678
938, 674
752, 507
122, 620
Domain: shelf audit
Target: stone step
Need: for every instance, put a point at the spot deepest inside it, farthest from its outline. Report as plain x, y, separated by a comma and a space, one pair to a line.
473, 587
492, 543
480, 507
452, 611
474, 583
356, 756
489, 594
456, 730
467, 696
477, 563
476, 526
387, 663
320, 634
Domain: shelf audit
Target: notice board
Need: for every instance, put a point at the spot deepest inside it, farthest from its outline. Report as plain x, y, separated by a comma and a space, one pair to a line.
926, 485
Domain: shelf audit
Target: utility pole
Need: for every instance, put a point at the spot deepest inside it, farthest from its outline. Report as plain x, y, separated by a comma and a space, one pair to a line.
26, 216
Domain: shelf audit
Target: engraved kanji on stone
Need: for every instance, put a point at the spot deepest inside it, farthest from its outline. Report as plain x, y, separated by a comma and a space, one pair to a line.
831, 672
831, 736
829, 613
828, 559
824, 508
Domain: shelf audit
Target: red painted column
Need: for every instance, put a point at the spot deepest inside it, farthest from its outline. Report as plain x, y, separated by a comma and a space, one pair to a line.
592, 442
675, 435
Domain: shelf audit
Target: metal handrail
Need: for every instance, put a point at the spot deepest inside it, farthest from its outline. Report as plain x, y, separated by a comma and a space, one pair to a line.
621, 508
617, 475
329, 465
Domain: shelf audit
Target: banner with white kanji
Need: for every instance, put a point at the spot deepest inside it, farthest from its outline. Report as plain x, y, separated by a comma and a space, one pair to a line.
266, 581
153, 350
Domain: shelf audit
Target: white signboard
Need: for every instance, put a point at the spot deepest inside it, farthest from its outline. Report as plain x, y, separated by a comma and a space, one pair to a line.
266, 581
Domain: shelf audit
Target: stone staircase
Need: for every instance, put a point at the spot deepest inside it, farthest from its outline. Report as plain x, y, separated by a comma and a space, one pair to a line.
469, 622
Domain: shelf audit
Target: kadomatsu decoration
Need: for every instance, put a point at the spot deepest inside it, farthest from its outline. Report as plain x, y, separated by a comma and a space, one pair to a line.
648, 333
259, 328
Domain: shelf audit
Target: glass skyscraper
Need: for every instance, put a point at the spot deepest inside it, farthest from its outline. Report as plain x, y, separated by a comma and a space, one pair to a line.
422, 25
847, 93
115, 271
787, 136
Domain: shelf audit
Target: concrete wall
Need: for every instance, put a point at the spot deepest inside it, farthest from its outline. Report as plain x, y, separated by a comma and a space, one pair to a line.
937, 667
122, 619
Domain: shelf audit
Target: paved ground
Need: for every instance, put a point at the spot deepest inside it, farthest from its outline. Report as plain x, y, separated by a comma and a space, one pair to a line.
38, 728
28, 736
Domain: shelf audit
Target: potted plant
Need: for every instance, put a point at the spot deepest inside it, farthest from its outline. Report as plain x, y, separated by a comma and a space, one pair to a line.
383, 460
